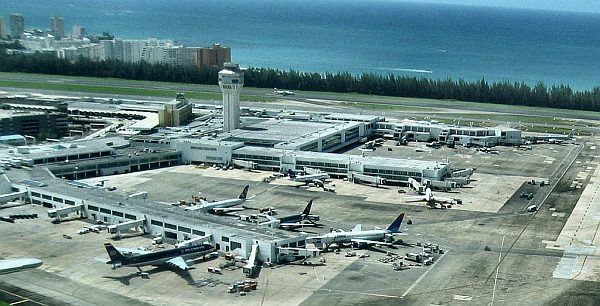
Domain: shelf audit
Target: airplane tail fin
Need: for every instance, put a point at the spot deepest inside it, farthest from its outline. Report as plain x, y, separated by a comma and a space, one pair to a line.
306, 211
113, 253
245, 192
395, 226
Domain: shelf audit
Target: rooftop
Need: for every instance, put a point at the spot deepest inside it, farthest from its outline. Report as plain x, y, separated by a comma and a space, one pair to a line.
99, 195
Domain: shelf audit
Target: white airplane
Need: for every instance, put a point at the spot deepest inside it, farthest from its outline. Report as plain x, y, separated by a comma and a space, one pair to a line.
317, 179
358, 236
223, 206
430, 199
18, 264
283, 92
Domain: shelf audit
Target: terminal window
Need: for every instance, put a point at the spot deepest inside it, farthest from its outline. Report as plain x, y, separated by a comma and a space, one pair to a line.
94, 208
171, 226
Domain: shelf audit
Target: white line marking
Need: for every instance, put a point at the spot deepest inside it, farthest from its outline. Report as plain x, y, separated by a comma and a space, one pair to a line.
497, 270
422, 276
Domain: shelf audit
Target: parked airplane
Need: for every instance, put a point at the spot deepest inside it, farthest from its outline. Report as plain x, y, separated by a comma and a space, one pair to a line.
317, 179
358, 236
293, 221
18, 264
430, 199
176, 258
223, 206
283, 92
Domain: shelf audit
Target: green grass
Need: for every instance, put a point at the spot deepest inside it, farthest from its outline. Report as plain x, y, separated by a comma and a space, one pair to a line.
394, 107
123, 90
199, 91
4, 303
551, 130
519, 118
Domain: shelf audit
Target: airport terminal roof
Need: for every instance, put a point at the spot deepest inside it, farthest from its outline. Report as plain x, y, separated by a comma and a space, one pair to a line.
64, 148
285, 131
150, 208
382, 162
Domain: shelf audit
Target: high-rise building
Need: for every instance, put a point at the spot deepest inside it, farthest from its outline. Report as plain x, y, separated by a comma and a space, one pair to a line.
231, 80
58, 27
215, 55
108, 50
132, 50
17, 25
78, 31
3, 28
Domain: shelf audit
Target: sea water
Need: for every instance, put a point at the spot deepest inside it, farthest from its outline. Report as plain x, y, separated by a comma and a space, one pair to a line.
422, 40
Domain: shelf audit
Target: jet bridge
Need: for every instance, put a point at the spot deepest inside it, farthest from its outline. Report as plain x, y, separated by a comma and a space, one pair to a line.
116, 229
63, 212
250, 268
194, 241
4, 198
291, 254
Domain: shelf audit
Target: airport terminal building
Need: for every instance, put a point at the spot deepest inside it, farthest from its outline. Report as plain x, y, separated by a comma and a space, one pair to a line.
174, 223
411, 130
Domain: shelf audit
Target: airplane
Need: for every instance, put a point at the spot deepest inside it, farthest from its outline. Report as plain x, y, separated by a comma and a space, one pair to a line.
430, 199
223, 206
283, 92
358, 236
175, 258
18, 264
293, 221
317, 179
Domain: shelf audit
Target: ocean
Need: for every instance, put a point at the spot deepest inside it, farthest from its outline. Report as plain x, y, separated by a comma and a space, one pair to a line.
423, 40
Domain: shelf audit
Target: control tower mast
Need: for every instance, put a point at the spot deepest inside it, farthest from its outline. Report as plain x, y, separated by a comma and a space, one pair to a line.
231, 80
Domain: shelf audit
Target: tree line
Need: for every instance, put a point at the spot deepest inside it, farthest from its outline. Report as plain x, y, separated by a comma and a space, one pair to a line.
505, 92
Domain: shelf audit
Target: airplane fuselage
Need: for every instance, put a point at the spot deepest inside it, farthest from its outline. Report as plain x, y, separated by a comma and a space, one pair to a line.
18, 264
221, 204
159, 258
346, 237
310, 177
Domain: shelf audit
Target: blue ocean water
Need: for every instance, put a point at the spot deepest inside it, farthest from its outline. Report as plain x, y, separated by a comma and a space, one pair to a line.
381, 36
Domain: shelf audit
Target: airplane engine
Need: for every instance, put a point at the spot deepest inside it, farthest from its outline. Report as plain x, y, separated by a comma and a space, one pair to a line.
116, 265
389, 238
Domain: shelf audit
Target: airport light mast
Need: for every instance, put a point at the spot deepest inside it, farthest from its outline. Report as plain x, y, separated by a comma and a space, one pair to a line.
231, 80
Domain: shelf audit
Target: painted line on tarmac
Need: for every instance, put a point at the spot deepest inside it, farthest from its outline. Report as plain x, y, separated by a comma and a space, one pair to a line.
361, 293
422, 276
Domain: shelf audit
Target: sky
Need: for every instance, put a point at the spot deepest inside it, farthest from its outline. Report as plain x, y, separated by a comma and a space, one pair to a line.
586, 6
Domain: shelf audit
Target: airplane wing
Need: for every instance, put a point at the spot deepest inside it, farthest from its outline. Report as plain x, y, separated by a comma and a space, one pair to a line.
414, 199
444, 200
226, 209
178, 262
195, 207
370, 241
102, 260
298, 224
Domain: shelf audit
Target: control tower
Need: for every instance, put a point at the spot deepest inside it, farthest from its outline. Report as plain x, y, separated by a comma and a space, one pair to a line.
231, 80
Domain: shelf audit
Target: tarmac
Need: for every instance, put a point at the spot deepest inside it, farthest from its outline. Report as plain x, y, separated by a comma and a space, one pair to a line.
496, 251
